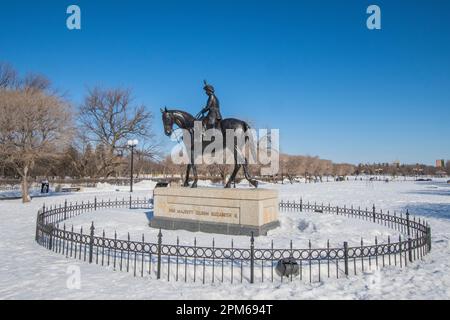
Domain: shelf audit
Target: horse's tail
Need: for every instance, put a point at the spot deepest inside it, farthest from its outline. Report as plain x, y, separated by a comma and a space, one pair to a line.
249, 138
246, 128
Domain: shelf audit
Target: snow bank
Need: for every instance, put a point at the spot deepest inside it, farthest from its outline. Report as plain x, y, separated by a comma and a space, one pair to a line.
29, 271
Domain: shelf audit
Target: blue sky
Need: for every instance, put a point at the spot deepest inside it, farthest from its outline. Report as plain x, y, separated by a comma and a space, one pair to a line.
310, 68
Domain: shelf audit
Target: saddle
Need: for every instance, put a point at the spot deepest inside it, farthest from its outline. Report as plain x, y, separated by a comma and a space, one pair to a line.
206, 125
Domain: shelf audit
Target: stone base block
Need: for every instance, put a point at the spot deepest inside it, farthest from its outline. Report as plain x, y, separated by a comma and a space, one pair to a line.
216, 210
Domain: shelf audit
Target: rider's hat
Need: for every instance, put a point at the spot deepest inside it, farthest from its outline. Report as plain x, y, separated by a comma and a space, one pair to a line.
208, 87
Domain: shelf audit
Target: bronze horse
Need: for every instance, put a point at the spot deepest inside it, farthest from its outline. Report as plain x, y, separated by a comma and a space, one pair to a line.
186, 121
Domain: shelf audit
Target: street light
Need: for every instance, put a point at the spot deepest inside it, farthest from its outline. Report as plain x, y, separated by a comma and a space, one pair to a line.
132, 144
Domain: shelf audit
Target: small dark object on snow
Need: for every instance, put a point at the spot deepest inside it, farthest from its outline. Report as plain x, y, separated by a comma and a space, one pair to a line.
70, 189
162, 184
287, 267
448, 181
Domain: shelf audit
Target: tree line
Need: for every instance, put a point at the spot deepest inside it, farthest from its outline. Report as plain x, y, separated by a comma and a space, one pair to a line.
42, 134
397, 169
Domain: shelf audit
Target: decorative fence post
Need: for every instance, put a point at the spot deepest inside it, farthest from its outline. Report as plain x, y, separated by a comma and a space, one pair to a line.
252, 259
50, 243
429, 237
43, 215
407, 223
65, 209
374, 213
95, 203
158, 274
409, 236
346, 258
37, 225
91, 242
301, 205
130, 201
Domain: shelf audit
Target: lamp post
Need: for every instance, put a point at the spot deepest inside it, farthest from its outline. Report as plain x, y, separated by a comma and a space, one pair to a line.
132, 144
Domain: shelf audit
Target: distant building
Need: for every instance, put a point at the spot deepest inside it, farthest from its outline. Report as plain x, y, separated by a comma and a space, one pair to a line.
396, 164
440, 163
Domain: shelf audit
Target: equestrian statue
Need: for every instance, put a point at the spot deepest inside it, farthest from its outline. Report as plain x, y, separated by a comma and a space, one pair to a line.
213, 120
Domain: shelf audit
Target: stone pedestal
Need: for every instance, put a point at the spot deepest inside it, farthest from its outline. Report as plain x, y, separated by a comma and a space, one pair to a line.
216, 210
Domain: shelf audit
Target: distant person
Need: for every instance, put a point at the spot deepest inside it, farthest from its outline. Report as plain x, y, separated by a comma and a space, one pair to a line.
45, 186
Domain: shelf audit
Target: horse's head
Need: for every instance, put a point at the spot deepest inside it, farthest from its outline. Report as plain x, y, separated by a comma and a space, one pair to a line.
167, 118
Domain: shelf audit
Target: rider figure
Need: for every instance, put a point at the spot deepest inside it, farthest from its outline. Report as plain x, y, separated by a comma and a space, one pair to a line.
212, 107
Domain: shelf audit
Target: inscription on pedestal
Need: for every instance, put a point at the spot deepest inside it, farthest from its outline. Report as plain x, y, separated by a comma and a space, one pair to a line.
218, 214
231, 211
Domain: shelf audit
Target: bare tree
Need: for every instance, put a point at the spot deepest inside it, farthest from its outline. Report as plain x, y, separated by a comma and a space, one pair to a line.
108, 118
144, 158
170, 169
8, 76
290, 166
36, 82
219, 169
324, 168
33, 126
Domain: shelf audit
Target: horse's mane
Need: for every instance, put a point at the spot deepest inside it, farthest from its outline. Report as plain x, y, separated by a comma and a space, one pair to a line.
185, 114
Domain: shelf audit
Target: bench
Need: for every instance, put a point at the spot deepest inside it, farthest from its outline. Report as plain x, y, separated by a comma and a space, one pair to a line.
70, 189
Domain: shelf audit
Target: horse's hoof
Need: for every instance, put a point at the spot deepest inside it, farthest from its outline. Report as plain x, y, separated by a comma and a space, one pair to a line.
194, 185
227, 186
186, 184
255, 183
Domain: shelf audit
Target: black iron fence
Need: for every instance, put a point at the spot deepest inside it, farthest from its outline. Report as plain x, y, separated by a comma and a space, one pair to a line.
233, 264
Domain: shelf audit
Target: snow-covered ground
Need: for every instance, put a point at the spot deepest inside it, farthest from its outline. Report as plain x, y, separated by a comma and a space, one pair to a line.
28, 271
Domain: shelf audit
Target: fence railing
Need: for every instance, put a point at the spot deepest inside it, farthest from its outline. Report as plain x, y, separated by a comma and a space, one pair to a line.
233, 264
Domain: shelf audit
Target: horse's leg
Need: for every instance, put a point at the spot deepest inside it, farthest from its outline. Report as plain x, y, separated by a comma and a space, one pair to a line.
235, 171
252, 181
186, 180
193, 166
194, 171
233, 175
